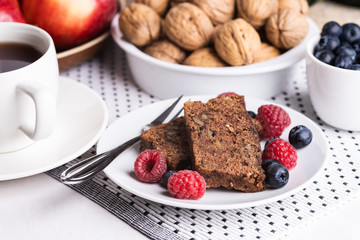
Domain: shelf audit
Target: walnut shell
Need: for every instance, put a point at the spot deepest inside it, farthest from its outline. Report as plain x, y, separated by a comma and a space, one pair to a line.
173, 3
162, 29
218, 11
166, 51
236, 42
160, 6
300, 6
204, 57
214, 32
286, 28
266, 52
188, 26
139, 24
256, 12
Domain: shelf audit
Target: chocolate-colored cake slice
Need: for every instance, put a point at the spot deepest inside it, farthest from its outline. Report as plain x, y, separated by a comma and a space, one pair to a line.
171, 140
224, 143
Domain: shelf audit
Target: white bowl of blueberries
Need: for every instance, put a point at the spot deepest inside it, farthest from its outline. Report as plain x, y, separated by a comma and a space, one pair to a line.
333, 74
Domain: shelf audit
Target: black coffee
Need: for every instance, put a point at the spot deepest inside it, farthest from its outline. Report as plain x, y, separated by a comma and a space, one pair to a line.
16, 55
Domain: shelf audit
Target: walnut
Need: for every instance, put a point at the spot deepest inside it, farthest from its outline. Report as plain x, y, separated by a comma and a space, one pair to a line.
301, 6
204, 57
160, 6
218, 11
236, 42
214, 32
166, 51
286, 28
256, 12
188, 26
173, 3
139, 24
266, 52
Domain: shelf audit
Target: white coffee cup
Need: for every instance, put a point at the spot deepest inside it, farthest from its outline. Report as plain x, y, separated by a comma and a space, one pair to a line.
28, 94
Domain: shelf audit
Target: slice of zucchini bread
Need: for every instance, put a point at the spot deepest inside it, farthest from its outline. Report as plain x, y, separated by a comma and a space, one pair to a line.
224, 143
171, 140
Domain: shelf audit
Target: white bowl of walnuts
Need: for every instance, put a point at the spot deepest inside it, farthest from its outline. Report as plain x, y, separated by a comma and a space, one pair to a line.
206, 47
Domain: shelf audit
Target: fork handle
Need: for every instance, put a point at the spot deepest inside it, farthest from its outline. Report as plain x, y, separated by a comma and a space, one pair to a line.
87, 168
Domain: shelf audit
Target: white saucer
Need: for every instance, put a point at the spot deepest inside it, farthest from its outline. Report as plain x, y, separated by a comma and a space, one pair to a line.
81, 118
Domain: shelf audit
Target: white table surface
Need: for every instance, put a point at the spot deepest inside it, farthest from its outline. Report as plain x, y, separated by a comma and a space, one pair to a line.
39, 207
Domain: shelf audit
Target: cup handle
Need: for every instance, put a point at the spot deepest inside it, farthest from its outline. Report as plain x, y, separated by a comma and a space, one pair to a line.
45, 109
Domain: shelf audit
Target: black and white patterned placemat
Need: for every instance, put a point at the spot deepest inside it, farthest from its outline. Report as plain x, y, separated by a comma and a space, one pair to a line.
108, 75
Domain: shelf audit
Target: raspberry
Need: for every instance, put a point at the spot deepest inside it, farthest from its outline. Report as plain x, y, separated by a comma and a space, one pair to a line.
228, 94
281, 150
273, 119
269, 140
150, 165
186, 184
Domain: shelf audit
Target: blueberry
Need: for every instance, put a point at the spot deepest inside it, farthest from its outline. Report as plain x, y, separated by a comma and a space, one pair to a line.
300, 136
346, 50
325, 56
252, 114
356, 47
351, 33
355, 67
343, 62
166, 176
357, 59
277, 175
269, 140
327, 42
267, 163
331, 28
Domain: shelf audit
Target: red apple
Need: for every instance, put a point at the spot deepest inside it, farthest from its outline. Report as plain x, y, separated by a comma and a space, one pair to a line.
70, 22
10, 11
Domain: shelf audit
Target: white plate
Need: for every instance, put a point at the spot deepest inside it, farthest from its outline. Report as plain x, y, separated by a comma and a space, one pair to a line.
81, 118
310, 161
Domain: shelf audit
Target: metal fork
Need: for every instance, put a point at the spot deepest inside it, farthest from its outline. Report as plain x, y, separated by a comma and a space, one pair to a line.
88, 168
